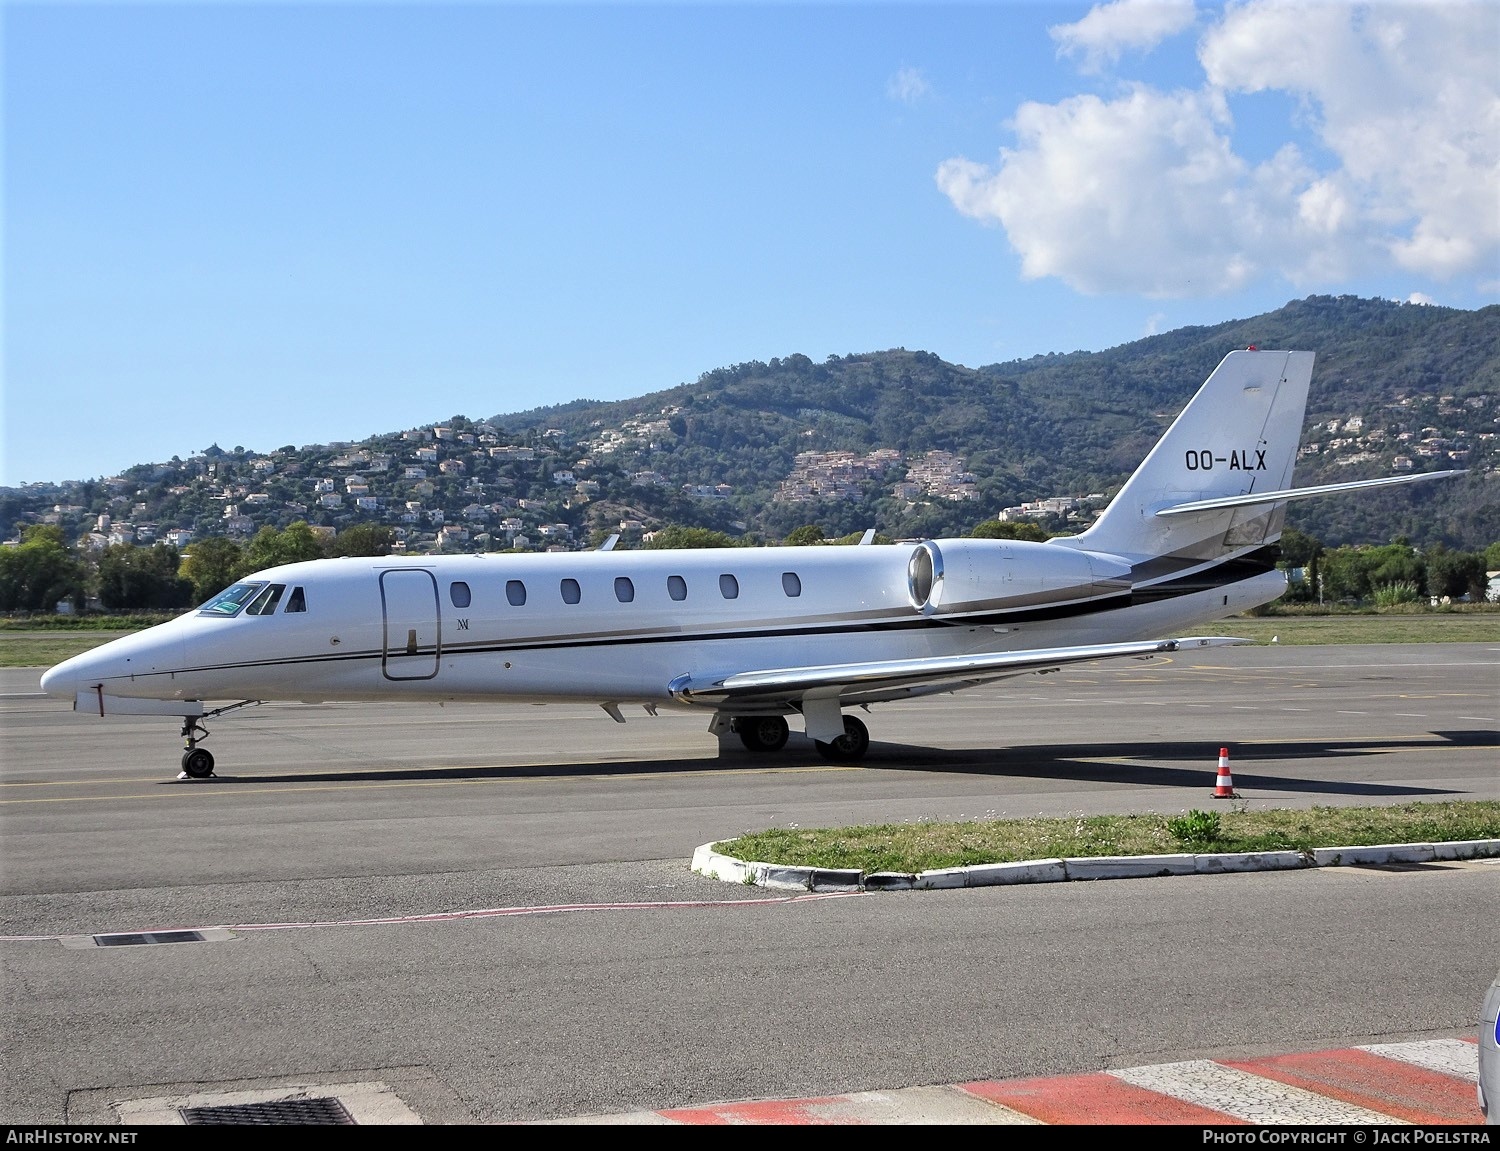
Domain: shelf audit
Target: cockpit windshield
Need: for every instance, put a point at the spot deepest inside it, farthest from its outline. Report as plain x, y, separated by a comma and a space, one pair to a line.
265, 603
231, 600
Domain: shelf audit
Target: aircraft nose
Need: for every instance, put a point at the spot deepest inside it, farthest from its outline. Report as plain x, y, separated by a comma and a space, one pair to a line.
118, 664
82, 671
62, 680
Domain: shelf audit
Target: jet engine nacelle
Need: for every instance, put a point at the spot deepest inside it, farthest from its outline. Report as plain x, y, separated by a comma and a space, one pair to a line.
963, 575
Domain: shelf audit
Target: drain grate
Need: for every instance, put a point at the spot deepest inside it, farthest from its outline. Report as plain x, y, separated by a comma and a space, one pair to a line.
326, 1112
139, 938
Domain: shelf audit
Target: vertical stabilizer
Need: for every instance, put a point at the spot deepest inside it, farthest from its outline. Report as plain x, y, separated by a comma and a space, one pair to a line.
1239, 435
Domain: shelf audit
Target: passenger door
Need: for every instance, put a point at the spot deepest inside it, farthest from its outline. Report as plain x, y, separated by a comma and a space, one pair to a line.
413, 633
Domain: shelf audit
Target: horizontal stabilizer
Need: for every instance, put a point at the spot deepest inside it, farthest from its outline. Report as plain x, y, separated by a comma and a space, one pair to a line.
1288, 494
786, 684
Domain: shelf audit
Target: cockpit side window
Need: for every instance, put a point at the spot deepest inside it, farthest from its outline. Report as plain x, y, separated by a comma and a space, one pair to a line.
296, 601
265, 603
231, 600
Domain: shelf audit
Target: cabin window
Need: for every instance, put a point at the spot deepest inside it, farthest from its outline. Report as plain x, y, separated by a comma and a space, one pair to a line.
296, 601
791, 583
729, 587
458, 592
231, 600
624, 589
677, 587
515, 592
571, 592
265, 603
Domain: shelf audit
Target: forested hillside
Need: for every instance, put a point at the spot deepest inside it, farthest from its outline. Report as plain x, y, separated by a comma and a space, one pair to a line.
1423, 384
898, 440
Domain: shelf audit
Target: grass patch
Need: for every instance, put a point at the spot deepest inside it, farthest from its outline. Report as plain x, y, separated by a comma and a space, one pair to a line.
44, 640
132, 621
912, 847
43, 649
1436, 626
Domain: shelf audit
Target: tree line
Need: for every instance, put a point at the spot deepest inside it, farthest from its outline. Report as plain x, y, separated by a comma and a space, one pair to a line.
43, 571
1387, 575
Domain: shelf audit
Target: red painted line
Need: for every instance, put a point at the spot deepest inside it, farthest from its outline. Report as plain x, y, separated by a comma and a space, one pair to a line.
767, 1112
1390, 1086
1097, 1098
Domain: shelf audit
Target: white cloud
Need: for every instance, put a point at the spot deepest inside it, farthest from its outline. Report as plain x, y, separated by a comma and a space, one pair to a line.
1141, 194
908, 86
1407, 97
1145, 193
1419, 298
1111, 29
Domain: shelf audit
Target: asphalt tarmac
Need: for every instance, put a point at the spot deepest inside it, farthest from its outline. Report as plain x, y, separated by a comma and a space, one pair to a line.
488, 911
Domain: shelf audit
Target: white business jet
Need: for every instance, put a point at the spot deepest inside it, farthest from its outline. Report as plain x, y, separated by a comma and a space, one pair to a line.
750, 636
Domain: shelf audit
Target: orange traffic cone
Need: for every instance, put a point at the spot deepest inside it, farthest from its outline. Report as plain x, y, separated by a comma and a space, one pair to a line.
1224, 785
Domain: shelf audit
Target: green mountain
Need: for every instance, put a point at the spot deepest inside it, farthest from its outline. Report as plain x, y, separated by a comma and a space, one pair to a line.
898, 440
1417, 383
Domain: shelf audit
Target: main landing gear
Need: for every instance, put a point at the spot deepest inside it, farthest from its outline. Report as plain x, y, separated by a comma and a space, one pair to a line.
763, 733
848, 747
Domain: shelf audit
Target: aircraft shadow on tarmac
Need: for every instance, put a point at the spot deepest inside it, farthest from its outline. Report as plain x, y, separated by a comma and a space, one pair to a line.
1150, 764
1155, 763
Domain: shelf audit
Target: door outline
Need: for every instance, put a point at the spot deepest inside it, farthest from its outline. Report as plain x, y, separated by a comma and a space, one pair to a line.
411, 622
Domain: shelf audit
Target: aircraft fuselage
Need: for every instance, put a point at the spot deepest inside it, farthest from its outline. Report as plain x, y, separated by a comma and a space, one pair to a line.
622, 626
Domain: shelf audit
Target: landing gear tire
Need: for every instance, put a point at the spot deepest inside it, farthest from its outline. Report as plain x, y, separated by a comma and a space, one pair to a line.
198, 763
761, 732
850, 746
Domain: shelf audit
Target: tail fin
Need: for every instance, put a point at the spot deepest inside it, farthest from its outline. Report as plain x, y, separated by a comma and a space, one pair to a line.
1236, 439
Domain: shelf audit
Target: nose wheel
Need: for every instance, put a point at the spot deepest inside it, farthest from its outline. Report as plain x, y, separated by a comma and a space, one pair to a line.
197, 762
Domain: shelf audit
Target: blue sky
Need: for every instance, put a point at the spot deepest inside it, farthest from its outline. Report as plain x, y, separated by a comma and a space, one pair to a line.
278, 223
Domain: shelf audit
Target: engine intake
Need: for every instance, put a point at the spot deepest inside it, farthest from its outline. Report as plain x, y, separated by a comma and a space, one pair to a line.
961, 575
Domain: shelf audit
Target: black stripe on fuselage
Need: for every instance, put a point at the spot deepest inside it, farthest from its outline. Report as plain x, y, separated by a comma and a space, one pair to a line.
1227, 572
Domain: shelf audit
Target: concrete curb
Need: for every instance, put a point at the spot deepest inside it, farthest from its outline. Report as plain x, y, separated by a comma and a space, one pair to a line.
708, 862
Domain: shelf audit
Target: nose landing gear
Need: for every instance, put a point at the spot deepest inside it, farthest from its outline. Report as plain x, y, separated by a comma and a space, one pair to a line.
197, 763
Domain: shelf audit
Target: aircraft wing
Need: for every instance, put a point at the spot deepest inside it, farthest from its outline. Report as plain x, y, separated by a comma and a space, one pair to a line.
889, 678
